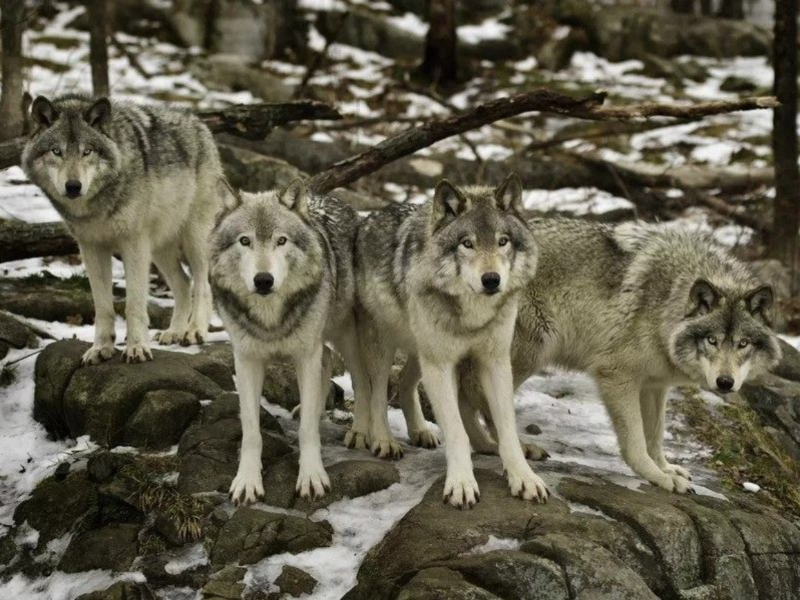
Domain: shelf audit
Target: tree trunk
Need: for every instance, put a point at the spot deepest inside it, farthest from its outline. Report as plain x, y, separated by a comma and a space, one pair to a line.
440, 64
734, 9
12, 23
682, 6
783, 238
706, 8
98, 46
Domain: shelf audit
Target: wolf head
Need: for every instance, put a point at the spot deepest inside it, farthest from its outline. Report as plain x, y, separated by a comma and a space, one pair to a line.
263, 244
725, 336
69, 154
479, 239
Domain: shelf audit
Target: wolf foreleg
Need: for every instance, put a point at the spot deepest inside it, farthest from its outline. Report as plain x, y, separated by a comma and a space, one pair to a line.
97, 260
247, 486
312, 480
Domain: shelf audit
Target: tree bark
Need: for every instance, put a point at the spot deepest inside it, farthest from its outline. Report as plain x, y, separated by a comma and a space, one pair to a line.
733, 9
12, 23
20, 240
783, 239
440, 64
98, 46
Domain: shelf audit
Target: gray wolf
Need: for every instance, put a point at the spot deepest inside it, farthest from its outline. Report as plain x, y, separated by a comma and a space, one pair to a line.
138, 180
641, 308
282, 278
441, 282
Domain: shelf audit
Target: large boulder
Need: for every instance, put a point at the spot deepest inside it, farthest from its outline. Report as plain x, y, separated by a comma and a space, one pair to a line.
161, 419
113, 547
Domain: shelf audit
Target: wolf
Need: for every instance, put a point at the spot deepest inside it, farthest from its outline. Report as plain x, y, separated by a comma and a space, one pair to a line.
283, 284
441, 281
138, 180
641, 308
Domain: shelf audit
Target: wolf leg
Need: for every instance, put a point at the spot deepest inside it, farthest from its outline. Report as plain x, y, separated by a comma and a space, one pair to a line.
247, 486
529, 449
197, 257
168, 262
312, 480
347, 345
653, 402
479, 436
378, 355
460, 487
621, 397
97, 261
136, 256
496, 379
418, 431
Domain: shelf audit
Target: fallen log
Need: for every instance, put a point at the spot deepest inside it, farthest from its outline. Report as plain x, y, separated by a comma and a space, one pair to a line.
20, 240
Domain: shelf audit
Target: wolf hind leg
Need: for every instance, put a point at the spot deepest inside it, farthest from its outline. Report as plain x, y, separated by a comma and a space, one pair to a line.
621, 396
419, 433
194, 248
137, 258
168, 262
347, 344
653, 402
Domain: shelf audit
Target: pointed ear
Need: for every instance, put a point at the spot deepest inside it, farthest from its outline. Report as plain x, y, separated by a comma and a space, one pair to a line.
760, 301
508, 194
43, 112
99, 113
231, 199
295, 197
448, 203
703, 298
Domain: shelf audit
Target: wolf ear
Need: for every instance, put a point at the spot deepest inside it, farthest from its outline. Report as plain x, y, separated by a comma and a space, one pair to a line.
43, 112
98, 113
703, 298
759, 302
448, 203
295, 197
508, 194
231, 199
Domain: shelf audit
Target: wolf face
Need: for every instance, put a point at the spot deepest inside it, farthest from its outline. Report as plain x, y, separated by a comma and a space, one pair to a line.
480, 242
726, 337
70, 157
262, 243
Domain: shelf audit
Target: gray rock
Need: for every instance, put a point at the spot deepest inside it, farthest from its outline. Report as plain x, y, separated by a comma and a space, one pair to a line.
533, 429
161, 419
732, 83
226, 584
122, 590
226, 72
254, 172
295, 582
113, 547
370, 31
153, 567
14, 333
789, 367
777, 403
253, 534
439, 582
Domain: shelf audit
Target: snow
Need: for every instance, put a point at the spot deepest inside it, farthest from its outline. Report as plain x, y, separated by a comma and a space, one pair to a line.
751, 487
490, 29
190, 558
576, 201
496, 543
62, 586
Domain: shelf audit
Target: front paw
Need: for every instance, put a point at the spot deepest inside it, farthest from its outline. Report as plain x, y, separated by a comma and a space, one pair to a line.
247, 486
355, 440
387, 448
676, 470
97, 354
193, 337
137, 353
674, 483
170, 337
526, 484
461, 490
312, 482
534, 452
424, 438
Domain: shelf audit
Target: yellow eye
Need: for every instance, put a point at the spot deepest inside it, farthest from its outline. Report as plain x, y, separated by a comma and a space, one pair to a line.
712, 340
467, 243
244, 240
57, 151
744, 343
87, 152
503, 241
282, 240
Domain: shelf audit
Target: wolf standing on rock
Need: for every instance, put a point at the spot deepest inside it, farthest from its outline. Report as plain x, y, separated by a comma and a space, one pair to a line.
141, 181
441, 281
282, 275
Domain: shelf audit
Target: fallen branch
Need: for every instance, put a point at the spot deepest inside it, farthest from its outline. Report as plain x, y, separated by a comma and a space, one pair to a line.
541, 100
20, 240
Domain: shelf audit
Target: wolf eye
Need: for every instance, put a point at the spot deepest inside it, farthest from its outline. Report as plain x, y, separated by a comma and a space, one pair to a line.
503, 241
744, 343
712, 340
467, 243
57, 151
244, 240
87, 152
282, 240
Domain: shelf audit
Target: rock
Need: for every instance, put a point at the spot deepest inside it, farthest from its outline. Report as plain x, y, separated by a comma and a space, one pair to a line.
777, 403
161, 419
789, 367
533, 429
226, 584
373, 32
732, 83
102, 466
253, 534
226, 72
556, 53
255, 172
15, 334
295, 582
439, 582
155, 567
100, 400
113, 547
122, 590
55, 507
672, 70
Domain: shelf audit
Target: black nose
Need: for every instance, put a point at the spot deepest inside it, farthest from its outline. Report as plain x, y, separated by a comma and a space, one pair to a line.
263, 282
490, 281
725, 383
73, 188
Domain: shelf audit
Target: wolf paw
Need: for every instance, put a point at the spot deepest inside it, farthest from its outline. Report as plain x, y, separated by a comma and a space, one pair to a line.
526, 484
312, 482
137, 353
461, 491
168, 337
247, 486
355, 440
387, 448
534, 452
97, 354
193, 337
674, 483
676, 470
424, 438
